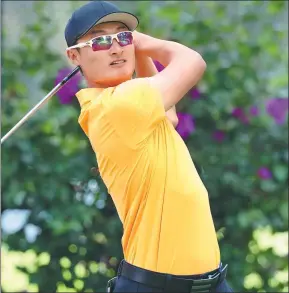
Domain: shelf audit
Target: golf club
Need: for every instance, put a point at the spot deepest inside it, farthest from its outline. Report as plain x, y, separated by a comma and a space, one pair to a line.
41, 103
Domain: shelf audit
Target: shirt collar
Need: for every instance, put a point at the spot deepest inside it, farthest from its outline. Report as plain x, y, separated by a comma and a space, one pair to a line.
85, 96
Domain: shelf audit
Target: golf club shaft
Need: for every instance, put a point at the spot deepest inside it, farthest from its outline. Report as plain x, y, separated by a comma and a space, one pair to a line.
40, 104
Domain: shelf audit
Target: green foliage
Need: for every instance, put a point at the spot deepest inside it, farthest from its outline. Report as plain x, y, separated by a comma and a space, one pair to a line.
46, 163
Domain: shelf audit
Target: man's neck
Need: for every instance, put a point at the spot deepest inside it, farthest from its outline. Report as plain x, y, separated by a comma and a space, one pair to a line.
106, 83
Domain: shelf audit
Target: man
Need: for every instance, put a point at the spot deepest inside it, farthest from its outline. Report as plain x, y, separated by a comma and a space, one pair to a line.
169, 241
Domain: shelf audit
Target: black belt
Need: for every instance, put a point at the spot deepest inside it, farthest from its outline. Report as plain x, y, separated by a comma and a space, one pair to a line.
172, 283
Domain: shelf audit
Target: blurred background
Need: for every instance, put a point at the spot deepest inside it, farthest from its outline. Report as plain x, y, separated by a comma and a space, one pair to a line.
60, 230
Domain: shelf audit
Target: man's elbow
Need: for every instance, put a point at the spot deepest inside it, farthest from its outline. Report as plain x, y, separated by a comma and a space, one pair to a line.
203, 64
197, 67
199, 63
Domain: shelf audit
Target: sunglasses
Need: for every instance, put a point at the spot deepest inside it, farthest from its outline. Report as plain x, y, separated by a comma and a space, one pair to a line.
105, 42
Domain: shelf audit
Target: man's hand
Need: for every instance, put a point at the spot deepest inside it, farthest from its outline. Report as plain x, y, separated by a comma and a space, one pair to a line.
137, 40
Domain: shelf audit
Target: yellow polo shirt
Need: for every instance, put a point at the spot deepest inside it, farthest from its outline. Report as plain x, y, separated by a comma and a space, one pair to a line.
147, 168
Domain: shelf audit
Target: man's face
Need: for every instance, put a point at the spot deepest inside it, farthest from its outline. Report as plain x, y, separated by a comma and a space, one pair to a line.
97, 66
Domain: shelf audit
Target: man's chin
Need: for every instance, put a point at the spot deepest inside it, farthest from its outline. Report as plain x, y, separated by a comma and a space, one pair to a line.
111, 82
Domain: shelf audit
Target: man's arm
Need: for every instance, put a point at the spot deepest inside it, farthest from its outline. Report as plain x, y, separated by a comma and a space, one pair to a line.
172, 116
184, 67
145, 67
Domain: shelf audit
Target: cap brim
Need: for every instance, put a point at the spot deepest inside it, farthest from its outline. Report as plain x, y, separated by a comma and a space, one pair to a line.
126, 18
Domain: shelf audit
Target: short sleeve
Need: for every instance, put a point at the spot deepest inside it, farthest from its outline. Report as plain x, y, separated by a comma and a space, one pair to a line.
135, 109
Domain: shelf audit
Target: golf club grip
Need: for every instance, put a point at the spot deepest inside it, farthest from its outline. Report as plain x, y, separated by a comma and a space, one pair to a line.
41, 103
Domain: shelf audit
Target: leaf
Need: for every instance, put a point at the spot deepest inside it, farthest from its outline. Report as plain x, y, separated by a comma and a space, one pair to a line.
268, 186
169, 12
281, 172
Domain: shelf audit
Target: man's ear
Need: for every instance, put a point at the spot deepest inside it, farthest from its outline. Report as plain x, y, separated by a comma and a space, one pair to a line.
74, 56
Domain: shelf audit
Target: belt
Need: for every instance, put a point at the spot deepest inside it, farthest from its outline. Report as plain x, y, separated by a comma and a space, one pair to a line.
173, 283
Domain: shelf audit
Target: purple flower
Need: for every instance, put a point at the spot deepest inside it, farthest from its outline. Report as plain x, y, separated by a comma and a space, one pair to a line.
186, 125
219, 135
254, 111
68, 91
159, 66
277, 108
195, 94
240, 115
264, 173
237, 112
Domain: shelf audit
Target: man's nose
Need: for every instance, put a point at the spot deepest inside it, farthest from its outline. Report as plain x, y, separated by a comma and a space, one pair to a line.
116, 48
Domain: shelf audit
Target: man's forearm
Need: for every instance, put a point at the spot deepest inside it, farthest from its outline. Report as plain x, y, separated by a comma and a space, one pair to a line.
172, 116
144, 65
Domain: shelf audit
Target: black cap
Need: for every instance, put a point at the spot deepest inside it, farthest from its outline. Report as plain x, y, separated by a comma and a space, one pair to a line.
92, 13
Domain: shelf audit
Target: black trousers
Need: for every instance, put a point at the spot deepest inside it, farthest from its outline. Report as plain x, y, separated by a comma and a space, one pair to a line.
123, 284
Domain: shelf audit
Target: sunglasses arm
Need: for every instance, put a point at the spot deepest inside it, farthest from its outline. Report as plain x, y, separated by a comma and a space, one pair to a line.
80, 45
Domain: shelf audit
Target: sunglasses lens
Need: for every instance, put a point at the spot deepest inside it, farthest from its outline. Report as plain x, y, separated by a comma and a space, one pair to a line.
125, 38
105, 42
101, 43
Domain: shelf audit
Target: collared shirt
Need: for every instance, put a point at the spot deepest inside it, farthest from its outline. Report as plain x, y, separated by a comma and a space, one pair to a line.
147, 168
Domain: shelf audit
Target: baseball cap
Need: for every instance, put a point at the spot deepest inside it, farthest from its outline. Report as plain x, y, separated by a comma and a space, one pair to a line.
93, 13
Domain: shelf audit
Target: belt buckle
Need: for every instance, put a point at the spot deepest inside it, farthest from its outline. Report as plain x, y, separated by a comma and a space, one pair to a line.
110, 285
213, 276
204, 285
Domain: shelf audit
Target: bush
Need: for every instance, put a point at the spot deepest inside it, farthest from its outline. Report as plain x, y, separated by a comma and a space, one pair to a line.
233, 122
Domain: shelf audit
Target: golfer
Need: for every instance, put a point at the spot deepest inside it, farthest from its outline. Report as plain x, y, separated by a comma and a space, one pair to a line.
169, 240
